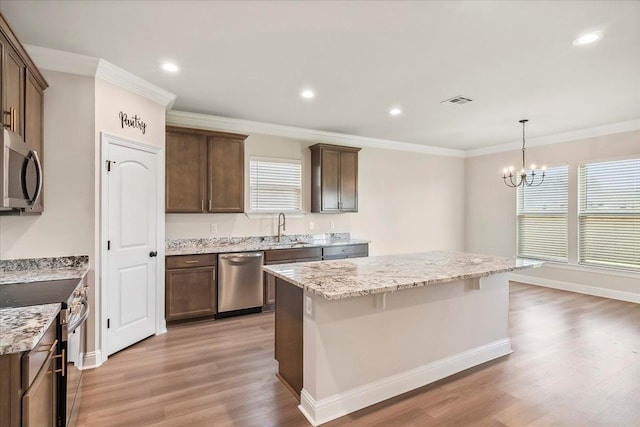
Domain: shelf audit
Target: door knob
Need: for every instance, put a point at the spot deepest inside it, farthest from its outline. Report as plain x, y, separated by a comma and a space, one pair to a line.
153, 253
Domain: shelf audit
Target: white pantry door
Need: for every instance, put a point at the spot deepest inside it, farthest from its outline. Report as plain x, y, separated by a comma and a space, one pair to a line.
132, 243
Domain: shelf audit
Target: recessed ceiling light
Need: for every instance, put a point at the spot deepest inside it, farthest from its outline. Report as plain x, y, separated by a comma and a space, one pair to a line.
307, 94
170, 67
587, 39
395, 111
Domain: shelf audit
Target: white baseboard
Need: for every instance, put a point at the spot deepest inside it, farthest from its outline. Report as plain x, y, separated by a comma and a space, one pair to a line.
338, 405
576, 287
91, 359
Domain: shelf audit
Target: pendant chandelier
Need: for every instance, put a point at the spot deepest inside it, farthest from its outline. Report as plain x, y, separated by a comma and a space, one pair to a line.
529, 178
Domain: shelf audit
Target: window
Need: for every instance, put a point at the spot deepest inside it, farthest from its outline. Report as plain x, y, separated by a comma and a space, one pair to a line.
275, 185
609, 214
542, 217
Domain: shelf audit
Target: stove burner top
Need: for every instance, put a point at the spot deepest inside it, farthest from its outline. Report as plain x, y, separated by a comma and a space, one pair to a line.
36, 293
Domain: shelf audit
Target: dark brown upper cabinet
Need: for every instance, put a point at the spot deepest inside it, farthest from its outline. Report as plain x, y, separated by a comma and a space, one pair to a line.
204, 171
334, 178
21, 98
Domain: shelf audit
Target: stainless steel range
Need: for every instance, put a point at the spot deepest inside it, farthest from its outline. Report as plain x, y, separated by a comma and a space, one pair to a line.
71, 333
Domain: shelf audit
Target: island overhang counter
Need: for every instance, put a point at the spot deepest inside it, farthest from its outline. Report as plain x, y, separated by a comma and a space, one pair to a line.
351, 333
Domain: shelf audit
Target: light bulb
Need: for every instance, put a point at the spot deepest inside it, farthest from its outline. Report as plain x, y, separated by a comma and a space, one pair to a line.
544, 168
533, 166
504, 171
510, 168
170, 67
587, 39
307, 94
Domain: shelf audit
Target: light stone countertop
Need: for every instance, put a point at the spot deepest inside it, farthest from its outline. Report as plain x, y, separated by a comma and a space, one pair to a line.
22, 327
258, 243
340, 279
28, 276
41, 269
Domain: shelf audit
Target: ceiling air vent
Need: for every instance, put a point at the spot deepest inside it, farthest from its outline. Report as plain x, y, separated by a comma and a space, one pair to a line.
458, 100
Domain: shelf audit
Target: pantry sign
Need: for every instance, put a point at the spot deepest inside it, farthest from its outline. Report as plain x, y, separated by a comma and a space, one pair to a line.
132, 122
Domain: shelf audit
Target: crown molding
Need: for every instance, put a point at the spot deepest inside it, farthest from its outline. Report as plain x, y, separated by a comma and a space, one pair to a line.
122, 78
61, 61
73, 63
204, 121
574, 135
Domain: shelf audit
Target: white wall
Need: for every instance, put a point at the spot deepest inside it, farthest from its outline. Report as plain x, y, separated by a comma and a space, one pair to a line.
66, 226
490, 213
407, 202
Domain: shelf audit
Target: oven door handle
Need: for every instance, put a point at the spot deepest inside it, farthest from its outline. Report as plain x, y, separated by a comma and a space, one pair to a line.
84, 313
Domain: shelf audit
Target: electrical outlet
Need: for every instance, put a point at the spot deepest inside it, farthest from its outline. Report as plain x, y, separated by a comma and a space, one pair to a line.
309, 306
214, 228
310, 225
332, 225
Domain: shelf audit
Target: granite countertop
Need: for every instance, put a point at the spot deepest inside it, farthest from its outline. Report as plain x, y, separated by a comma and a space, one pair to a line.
22, 327
364, 276
39, 269
258, 243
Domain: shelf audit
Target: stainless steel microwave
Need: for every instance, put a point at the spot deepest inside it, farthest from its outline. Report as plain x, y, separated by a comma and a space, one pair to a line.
20, 173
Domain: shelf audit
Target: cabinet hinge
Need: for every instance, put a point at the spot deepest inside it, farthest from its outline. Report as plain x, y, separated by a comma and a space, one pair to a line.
108, 245
108, 323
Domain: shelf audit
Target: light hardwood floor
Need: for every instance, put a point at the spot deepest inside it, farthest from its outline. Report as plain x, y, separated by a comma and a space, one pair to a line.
576, 362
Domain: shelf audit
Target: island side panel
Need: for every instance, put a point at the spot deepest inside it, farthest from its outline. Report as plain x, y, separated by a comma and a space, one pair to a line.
357, 353
288, 334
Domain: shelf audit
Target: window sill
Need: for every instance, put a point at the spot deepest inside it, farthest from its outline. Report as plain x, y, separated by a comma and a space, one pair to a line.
269, 215
592, 269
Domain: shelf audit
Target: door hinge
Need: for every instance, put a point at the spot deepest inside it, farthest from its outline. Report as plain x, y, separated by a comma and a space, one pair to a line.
108, 245
109, 165
108, 323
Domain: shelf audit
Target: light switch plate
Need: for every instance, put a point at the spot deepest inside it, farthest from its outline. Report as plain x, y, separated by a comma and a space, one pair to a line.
214, 228
310, 225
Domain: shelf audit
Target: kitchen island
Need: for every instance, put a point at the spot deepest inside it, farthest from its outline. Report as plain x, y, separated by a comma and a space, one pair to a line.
352, 333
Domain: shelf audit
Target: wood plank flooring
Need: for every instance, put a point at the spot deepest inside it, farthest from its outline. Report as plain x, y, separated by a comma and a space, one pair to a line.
576, 362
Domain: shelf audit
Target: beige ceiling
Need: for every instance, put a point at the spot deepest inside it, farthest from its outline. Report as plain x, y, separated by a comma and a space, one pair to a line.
250, 60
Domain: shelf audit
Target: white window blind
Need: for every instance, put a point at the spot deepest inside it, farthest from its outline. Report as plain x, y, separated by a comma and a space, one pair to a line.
542, 217
275, 185
609, 214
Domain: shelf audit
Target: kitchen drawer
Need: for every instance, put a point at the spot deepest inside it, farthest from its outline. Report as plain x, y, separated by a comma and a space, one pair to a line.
186, 261
291, 255
33, 360
346, 251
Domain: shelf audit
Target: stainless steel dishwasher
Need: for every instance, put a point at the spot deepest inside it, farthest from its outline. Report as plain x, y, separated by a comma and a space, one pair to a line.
240, 282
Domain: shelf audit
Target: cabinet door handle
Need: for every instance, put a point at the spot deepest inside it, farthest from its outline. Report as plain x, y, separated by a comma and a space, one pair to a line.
202, 205
191, 262
209, 204
13, 119
8, 113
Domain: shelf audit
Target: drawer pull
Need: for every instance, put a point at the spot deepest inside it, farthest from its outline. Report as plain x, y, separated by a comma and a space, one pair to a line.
62, 362
192, 262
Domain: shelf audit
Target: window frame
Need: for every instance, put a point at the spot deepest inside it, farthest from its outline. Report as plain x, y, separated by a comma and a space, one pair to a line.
269, 213
580, 214
554, 259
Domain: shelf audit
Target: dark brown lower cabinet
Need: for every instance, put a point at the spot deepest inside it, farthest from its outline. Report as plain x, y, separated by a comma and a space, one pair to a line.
190, 287
288, 335
284, 256
29, 383
345, 251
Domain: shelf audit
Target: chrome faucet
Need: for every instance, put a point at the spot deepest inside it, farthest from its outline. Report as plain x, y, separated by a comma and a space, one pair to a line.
283, 225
